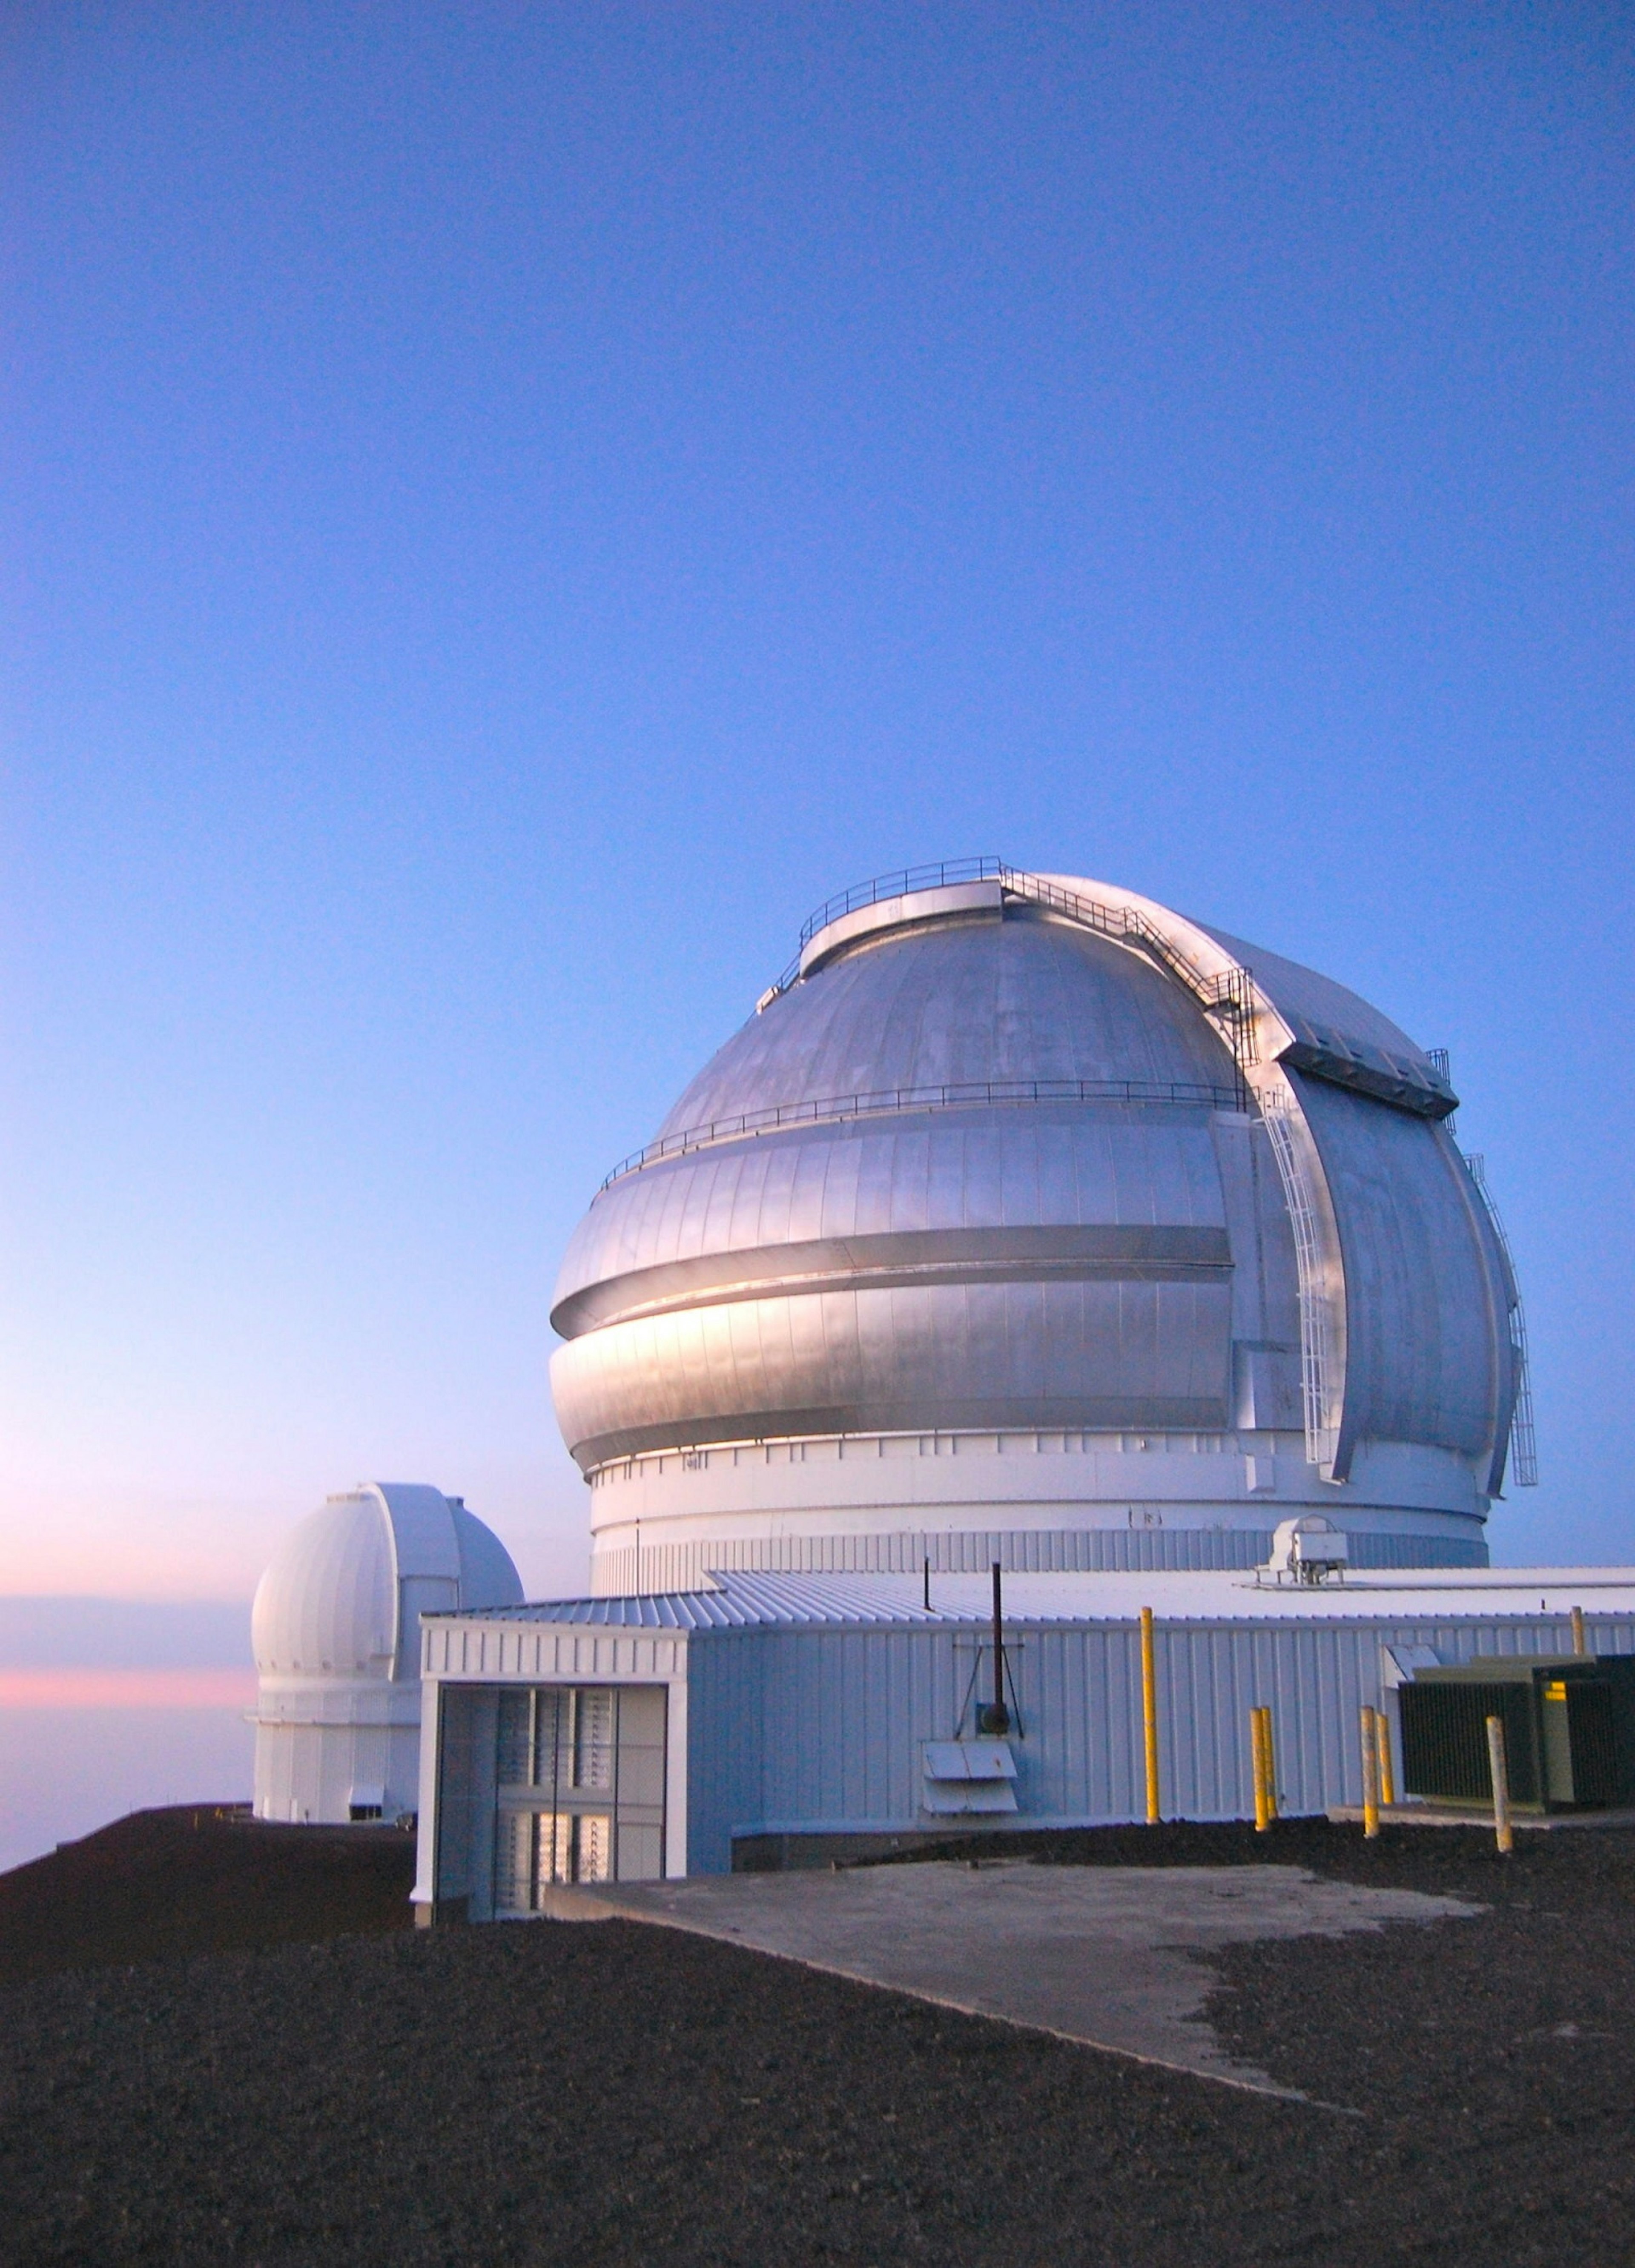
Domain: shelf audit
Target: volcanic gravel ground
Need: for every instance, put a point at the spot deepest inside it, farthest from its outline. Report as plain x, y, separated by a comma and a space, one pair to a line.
615, 2094
198, 1878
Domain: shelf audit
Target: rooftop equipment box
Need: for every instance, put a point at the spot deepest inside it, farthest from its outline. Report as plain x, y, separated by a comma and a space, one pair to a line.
1569, 1726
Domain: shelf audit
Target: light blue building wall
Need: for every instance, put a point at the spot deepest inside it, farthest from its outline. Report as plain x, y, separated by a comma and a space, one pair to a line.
812, 1730
799, 1707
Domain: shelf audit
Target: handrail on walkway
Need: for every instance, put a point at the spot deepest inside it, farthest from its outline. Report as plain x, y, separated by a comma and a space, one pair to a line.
1228, 997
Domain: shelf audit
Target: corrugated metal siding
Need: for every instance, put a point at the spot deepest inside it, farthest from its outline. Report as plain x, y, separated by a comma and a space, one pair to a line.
808, 1729
725, 1744
677, 1568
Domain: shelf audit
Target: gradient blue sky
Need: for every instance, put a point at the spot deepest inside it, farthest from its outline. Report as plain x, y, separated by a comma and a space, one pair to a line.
505, 506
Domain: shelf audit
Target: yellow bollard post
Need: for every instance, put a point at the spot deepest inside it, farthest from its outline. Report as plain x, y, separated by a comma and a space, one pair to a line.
1387, 1777
1371, 1774
1257, 1759
1580, 1644
1270, 1748
1149, 1714
1504, 1834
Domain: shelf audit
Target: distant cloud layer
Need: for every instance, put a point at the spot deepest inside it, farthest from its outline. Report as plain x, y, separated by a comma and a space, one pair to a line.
126, 1689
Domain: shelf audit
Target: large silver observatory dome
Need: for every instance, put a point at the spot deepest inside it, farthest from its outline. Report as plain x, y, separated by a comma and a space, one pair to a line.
1025, 1218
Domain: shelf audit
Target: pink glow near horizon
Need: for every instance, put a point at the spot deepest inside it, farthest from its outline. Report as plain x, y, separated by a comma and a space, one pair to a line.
126, 1689
118, 1541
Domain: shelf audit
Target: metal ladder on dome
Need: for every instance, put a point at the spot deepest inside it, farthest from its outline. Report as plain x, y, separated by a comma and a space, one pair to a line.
1226, 1001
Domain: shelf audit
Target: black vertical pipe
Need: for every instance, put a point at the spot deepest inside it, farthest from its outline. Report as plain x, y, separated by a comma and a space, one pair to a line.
928, 1585
999, 1716
998, 1645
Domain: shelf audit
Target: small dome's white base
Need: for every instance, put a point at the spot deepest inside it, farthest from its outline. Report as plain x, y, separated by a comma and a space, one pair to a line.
337, 1633
309, 1772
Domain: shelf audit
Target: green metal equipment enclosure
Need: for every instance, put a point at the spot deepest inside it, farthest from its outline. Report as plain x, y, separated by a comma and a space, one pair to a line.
1569, 1726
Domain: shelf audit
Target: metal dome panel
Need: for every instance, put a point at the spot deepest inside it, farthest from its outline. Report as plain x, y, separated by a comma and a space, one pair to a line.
1031, 1164
982, 998
1031, 1262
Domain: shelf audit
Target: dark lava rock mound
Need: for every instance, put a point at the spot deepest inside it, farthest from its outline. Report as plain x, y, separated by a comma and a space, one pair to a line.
199, 1878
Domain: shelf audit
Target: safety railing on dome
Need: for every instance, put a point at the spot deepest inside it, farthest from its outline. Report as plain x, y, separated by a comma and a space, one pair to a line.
944, 874
895, 1100
1227, 999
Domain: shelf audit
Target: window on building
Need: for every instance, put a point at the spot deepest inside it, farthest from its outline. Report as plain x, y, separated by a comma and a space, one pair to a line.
580, 1789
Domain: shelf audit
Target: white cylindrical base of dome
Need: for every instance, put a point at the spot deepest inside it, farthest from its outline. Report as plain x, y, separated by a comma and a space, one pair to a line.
328, 1752
888, 1502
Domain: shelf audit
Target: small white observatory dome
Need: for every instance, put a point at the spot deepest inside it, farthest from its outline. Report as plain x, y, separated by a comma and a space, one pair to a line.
336, 1628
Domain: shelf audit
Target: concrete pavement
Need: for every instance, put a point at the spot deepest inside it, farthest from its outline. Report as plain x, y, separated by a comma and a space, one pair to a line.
1114, 1956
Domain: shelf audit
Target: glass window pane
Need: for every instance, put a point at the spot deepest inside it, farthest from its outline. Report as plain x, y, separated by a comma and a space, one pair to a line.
515, 1761
593, 1738
592, 1847
555, 1848
513, 1862
550, 1705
